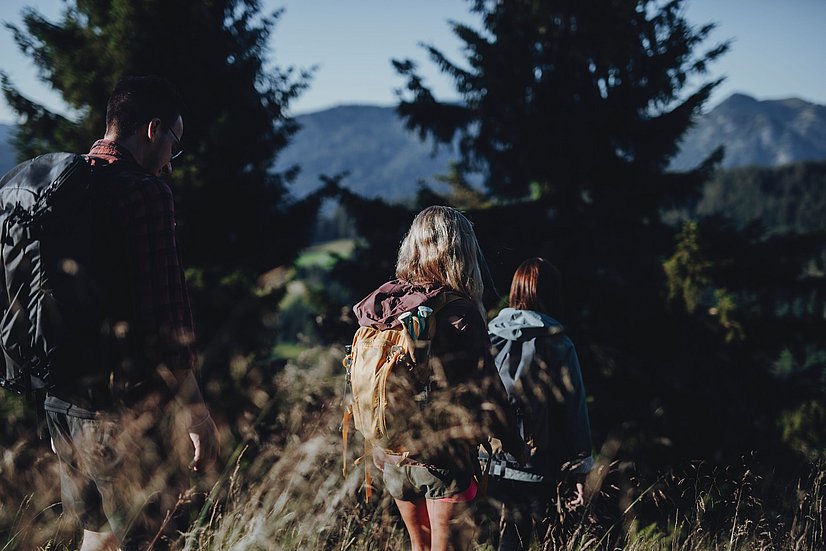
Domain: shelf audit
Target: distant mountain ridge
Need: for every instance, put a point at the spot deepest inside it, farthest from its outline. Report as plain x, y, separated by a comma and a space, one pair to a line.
388, 161
757, 133
385, 159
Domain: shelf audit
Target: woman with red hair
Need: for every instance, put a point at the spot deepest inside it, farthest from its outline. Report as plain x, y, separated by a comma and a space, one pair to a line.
539, 367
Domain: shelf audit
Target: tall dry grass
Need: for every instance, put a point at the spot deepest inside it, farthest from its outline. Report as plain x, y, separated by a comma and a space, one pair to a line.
282, 487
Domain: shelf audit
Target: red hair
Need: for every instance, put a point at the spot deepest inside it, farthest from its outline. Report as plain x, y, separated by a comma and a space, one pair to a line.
537, 285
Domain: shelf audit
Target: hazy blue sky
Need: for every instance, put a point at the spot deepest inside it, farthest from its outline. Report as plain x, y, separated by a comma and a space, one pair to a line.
778, 49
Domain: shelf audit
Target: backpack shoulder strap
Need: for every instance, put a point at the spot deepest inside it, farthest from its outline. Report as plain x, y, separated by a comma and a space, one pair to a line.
443, 299
437, 303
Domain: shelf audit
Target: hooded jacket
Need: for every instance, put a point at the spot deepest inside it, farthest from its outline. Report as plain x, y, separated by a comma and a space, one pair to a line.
467, 400
539, 368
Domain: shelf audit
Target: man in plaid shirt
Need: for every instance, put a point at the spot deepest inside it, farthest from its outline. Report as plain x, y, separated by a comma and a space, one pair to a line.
122, 431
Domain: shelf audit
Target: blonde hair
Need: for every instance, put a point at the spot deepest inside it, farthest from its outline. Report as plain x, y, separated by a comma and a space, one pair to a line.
440, 247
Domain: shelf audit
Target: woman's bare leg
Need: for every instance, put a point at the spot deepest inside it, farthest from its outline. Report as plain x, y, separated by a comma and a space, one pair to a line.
98, 541
417, 522
444, 533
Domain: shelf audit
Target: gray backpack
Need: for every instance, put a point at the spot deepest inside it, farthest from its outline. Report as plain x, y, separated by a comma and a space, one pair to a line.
50, 301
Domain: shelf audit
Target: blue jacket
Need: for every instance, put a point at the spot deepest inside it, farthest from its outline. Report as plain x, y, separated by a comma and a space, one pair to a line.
539, 367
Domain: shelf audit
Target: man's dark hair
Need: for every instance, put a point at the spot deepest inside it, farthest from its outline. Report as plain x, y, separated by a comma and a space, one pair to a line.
138, 100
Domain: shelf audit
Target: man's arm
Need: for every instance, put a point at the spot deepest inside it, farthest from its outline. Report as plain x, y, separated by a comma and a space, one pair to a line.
162, 310
201, 428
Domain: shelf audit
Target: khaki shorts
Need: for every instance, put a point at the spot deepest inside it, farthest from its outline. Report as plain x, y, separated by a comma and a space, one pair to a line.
114, 480
413, 482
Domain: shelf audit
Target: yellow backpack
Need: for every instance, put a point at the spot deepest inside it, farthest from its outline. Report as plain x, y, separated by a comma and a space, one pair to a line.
388, 379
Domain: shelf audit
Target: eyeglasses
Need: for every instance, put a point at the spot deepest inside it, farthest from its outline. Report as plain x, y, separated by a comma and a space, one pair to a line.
179, 149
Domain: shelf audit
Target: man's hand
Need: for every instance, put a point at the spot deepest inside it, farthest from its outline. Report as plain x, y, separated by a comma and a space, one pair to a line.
202, 430
204, 436
579, 497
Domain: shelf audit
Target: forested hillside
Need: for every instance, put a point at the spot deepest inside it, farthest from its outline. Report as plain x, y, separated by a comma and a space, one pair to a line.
790, 198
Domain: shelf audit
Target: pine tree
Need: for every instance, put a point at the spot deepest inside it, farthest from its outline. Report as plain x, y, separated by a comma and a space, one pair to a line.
571, 97
578, 107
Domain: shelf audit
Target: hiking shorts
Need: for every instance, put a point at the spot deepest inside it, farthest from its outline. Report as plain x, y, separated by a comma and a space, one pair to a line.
88, 465
112, 482
410, 481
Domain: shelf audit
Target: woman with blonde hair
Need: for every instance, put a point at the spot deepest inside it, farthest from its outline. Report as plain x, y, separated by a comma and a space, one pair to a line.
438, 268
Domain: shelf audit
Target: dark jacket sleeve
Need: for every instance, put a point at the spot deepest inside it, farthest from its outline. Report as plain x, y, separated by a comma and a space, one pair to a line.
572, 424
467, 379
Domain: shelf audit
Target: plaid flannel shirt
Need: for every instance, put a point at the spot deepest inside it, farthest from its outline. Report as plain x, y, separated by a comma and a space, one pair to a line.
143, 206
